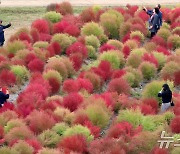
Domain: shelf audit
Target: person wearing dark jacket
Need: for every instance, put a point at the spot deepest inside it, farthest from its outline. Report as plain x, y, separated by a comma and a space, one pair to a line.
166, 95
2, 27
150, 13
154, 22
3, 97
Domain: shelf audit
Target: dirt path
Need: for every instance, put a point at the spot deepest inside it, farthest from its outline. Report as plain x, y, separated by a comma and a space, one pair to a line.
86, 2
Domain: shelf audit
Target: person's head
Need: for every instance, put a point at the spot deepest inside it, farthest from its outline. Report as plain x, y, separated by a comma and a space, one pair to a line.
156, 9
0, 21
158, 5
166, 86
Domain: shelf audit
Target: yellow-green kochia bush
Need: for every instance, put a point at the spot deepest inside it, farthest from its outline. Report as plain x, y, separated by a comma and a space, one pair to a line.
60, 128
41, 44
93, 41
116, 43
53, 17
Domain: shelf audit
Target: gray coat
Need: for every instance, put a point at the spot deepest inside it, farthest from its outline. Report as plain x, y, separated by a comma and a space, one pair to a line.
154, 22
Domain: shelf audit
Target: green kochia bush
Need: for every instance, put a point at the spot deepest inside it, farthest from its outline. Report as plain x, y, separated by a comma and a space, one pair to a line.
53, 16
21, 73
116, 58
152, 89
92, 28
91, 52
60, 128
7, 150
41, 44
92, 41
79, 129
116, 43
49, 138
13, 123
161, 58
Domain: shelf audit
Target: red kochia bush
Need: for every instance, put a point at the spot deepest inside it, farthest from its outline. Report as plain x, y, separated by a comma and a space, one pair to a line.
77, 47
105, 66
70, 85
54, 49
77, 60
73, 20
29, 57
59, 27
88, 15
175, 125
119, 85
41, 25
36, 65
54, 84
118, 73
7, 78
85, 84
75, 143
150, 58
64, 8
95, 130
126, 51
45, 37
163, 50
23, 36
72, 30
158, 150
34, 34
146, 109
35, 144
177, 78
159, 41
72, 101
106, 47
152, 102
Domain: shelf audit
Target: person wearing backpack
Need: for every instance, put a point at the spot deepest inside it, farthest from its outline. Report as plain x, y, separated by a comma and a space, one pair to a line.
2, 27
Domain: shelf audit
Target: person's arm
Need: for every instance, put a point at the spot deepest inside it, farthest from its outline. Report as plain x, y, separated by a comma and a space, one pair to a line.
149, 12
160, 93
7, 26
160, 18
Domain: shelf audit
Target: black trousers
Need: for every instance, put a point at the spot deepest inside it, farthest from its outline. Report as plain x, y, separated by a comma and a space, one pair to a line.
153, 34
1, 44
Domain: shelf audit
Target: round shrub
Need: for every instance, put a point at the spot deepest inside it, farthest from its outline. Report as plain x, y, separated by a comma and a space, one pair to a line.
49, 138
7, 150
129, 77
132, 44
161, 58
21, 73
97, 114
106, 47
173, 42
92, 28
14, 123
65, 8
148, 70
53, 17
119, 85
164, 33
133, 60
115, 58
137, 35
48, 151
70, 85
124, 29
63, 39
41, 25
13, 47
150, 46
60, 128
91, 52
167, 72
7, 116
175, 125
41, 44
36, 65
92, 40
152, 89
23, 147
87, 15
116, 44
18, 133
111, 21
37, 121
7, 78
72, 101
176, 30
79, 130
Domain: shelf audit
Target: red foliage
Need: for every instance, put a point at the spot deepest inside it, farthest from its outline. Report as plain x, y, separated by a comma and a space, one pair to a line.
70, 85
120, 10
35, 144
7, 106
175, 13
41, 25
163, 50
76, 143
2, 58
77, 47
118, 73
77, 60
54, 48
150, 58
30, 57
44, 37
1, 132
85, 84
132, 9
140, 27
54, 84
105, 66
152, 102
126, 37
143, 15
64, 8
7, 78
72, 30
159, 41
87, 15
73, 20
81, 118
34, 34
175, 125
146, 109
166, 13
99, 72
95, 130
106, 47
177, 78
52, 105
36, 65
126, 51
23, 36
158, 150
123, 129
72, 101
177, 110
175, 24
119, 85
59, 27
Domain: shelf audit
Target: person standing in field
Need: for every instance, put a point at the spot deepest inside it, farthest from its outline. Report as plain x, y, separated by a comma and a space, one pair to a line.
166, 96
2, 27
3, 97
